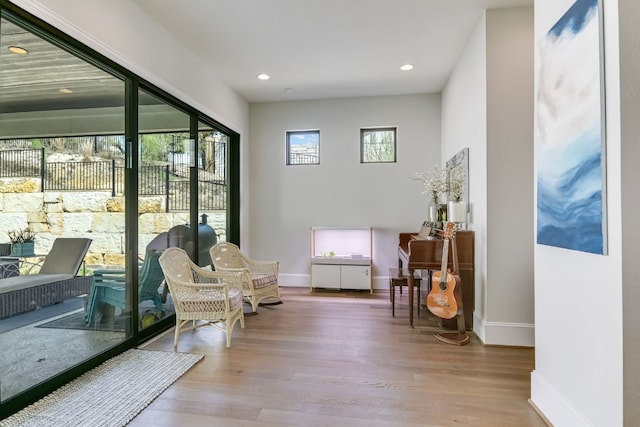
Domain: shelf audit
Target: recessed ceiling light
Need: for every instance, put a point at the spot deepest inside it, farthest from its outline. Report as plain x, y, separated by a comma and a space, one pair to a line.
406, 67
19, 50
65, 90
263, 76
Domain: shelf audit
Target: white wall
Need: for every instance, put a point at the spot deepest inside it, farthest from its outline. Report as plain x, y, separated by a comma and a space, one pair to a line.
509, 315
287, 200
578, 378
491, 92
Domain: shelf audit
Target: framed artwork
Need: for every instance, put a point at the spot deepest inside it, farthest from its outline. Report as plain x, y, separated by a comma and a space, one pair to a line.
570, 142
458, 166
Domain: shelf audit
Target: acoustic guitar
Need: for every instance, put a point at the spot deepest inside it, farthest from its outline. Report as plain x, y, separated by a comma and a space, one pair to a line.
441, 300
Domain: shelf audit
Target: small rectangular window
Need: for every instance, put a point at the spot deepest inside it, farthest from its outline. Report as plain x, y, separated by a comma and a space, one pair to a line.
378, 145
303, 147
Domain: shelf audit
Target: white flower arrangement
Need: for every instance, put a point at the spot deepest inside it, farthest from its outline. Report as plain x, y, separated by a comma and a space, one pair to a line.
435, 183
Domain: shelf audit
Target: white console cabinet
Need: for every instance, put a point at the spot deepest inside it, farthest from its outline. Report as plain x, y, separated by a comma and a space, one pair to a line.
341, 258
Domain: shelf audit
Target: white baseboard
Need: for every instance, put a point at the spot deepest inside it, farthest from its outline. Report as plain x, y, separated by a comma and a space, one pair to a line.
552, 406
294, 280
304, 280
504, 333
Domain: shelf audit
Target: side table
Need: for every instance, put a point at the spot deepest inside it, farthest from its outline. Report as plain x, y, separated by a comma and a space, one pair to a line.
14, 264
9, 268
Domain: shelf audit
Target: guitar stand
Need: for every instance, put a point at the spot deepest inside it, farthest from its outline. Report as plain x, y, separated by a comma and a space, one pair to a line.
455, 338
461, 337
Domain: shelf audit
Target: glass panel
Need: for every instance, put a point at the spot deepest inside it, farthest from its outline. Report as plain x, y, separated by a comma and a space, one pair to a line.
165, 157
303, 147
378, 145
61, 158
212, 187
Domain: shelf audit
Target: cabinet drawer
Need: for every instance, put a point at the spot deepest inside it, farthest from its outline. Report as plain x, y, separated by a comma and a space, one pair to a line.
325, 276
355, 277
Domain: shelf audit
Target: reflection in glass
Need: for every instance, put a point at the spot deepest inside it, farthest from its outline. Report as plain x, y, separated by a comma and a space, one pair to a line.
212, 179
163, 206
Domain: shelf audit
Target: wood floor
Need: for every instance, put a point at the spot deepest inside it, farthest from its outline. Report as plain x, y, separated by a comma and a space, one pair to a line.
340, 359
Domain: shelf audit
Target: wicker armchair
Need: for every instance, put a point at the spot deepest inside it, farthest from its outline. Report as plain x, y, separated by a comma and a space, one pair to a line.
260, 278
214, 297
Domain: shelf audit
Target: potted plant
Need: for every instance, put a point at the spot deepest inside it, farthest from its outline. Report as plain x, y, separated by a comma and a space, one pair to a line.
22, 242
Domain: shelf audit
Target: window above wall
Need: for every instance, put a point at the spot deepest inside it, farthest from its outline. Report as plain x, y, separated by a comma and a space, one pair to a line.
303, 147
378, 145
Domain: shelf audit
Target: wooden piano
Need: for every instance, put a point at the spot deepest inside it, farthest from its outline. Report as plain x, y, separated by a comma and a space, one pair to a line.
417, 253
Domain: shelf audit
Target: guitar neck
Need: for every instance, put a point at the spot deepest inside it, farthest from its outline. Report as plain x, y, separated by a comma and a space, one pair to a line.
448, 234
445, 260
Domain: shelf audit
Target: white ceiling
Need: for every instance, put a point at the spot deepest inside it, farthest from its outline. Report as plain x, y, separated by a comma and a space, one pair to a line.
325, 48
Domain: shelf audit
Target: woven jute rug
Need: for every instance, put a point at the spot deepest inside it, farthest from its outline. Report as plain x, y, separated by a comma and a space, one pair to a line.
111, 394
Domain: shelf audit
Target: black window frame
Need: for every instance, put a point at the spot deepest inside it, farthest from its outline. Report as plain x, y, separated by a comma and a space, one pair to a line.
364, 131
291, 133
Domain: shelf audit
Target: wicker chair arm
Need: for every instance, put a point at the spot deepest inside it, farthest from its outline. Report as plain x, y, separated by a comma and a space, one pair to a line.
232, 279
262, 267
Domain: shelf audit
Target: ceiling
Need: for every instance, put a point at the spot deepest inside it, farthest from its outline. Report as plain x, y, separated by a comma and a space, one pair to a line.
325, 48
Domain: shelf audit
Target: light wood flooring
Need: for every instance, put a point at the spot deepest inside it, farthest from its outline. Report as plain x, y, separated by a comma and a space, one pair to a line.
340, 359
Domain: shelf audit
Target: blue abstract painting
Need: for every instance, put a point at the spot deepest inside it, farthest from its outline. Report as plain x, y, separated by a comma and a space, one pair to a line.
569, 141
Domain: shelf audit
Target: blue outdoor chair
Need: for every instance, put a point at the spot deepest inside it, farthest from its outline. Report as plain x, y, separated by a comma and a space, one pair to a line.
109, 287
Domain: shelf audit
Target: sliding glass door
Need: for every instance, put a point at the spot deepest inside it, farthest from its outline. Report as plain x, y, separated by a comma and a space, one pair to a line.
62, 177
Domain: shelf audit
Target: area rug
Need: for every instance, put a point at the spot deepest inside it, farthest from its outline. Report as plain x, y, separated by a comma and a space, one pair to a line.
110, 395
76, 321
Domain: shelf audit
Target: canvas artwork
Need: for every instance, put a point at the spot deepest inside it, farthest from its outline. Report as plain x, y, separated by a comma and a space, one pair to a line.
570, 152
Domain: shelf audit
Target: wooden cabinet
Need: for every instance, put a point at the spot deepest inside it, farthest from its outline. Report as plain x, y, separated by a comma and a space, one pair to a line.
341, 258
340, 276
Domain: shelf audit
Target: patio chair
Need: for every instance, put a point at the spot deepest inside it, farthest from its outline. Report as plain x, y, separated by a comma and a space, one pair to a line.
214, 297
55, 282
260, 278
109, 287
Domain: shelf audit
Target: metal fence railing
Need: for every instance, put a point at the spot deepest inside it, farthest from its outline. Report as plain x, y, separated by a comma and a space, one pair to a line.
109, 176
213, 193
303, 159
17, 163
67, 176
212, 196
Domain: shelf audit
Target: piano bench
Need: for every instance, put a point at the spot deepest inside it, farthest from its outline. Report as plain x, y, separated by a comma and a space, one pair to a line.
398, 278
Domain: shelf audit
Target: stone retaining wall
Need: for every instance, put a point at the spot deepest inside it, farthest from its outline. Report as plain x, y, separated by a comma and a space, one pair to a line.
96, 215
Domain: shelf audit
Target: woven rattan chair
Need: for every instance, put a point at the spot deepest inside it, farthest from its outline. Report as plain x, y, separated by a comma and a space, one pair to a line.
260, 277
214, 297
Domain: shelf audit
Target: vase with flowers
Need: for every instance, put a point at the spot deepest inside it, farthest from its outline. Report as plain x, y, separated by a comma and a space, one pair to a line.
435, 187
22, 242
